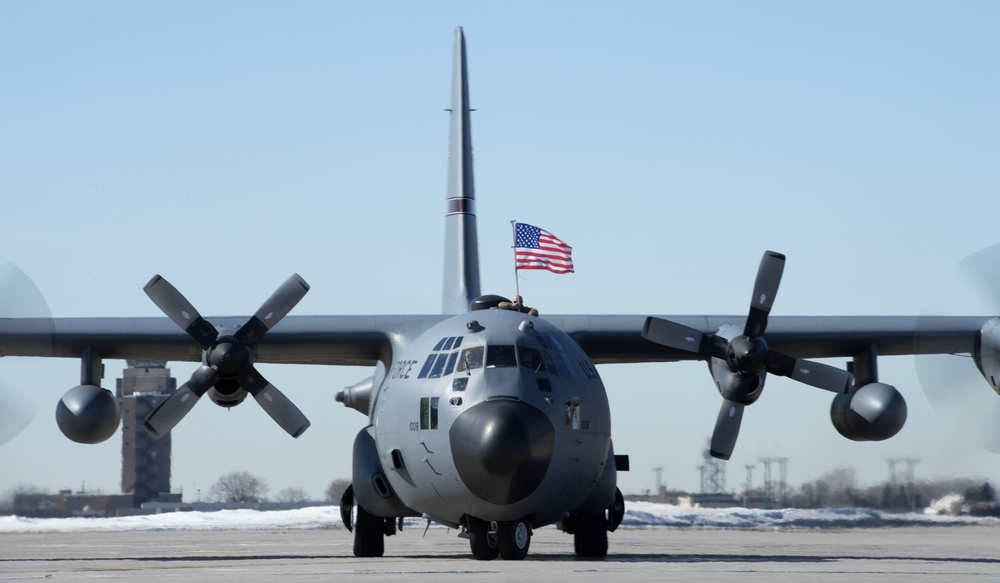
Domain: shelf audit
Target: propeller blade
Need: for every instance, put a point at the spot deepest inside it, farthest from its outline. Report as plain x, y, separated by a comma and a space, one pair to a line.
177, 308
21, 298
273, 401
965, 401
171, 411
681, 337
981, 271
727, 429
273, 310
16, 412
812, 373
772, 265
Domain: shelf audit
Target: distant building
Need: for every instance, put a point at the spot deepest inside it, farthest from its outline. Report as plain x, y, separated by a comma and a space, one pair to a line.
66, 504
715, 500
145, 460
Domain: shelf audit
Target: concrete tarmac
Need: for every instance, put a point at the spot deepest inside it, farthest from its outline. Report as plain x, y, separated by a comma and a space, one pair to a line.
946, 553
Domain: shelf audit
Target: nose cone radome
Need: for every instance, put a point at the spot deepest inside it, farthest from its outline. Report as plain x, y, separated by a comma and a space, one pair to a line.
502, 449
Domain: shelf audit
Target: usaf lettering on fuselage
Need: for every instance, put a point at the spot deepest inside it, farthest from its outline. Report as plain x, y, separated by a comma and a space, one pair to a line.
401, 370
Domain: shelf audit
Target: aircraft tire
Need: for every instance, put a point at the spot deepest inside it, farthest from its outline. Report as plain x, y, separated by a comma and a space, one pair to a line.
591, 539
514, 538
484, 545
369, 538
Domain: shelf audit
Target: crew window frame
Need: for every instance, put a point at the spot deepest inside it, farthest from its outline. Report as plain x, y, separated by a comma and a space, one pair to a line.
429, 407
472, 358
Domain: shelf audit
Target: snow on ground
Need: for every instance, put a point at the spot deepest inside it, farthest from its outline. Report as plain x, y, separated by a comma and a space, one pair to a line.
637, 515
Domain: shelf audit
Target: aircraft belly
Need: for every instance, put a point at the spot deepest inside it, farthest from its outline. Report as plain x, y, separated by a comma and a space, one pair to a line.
443, 496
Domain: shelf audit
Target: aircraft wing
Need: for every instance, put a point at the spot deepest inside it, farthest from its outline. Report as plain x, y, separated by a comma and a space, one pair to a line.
333, 340
362, 340
618, 339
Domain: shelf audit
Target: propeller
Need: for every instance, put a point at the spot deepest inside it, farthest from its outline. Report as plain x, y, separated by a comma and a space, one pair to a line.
966, 403
227, 360
746, 356
20, 298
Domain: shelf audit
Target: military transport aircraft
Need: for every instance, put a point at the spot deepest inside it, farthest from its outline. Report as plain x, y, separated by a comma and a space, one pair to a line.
491, 421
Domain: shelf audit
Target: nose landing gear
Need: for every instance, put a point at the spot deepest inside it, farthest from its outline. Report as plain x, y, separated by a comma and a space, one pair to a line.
513, 538
482, 539
508, 539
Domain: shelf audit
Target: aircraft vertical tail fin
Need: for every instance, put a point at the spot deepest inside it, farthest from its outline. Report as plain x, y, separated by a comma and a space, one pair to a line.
461, 246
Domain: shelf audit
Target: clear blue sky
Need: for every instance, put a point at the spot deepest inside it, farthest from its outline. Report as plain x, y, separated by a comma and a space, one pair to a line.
228, 144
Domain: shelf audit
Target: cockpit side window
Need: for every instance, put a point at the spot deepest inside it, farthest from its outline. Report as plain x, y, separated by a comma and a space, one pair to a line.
438, 366
531, 358
429, 412
570, 366
451, 363
561, 366
500, 356
472, 358
426, 369
563, 361
549, 363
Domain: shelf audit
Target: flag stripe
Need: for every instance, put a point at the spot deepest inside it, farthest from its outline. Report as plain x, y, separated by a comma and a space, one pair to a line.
536, 248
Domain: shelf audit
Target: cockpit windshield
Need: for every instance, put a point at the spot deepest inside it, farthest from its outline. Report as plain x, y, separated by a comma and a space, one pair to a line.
506, 356
472, 358
500, 356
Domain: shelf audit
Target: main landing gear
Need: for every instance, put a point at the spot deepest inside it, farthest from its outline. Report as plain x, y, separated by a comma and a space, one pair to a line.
590, 533
369, 530
590, 537
507, 539
369, 534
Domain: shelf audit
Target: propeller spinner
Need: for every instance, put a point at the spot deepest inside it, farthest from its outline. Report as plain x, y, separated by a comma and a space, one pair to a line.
228, 360
747, 356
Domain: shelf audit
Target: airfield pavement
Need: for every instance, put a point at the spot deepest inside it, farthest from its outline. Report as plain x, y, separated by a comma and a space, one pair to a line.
947, 553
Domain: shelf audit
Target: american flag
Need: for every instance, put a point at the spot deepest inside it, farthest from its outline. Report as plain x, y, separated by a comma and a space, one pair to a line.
536, 248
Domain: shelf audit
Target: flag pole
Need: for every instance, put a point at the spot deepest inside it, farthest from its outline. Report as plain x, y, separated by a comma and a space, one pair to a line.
517, 284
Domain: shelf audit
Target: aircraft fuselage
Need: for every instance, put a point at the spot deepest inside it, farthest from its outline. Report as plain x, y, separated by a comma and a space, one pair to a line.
494, 414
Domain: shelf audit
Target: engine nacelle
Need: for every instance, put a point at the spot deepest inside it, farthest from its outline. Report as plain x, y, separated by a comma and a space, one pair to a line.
227, 393
88, 414
987, 352
872, 412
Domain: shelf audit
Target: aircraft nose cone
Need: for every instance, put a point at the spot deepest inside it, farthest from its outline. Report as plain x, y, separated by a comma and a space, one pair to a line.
502, 449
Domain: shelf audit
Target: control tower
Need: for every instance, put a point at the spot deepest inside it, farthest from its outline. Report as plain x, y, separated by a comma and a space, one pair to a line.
145, 460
